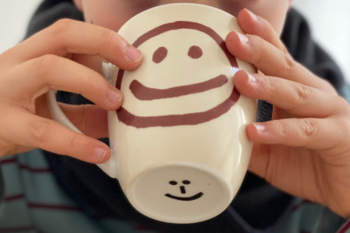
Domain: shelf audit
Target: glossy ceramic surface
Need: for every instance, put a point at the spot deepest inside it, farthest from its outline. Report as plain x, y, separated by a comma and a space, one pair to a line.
179, 147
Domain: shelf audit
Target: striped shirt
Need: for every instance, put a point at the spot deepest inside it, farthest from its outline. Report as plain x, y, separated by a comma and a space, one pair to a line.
34, 203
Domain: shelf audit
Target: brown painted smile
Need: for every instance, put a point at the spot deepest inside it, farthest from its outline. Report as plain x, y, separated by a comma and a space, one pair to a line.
195, 197
143, 93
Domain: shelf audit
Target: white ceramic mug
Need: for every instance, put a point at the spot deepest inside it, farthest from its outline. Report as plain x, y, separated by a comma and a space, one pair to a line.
179, 147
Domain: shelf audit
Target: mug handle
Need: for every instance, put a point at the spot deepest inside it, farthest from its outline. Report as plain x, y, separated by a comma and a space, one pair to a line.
57, 113
111, 166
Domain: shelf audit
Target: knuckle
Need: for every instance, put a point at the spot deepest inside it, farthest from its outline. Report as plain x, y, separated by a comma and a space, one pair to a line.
260, 48
43, 65
271, 88
285, 50
288, 65
308, 128
74, 142
304, 93
343, 105
58, 33
281, 129
108, 39
40, 131
90, 83
61, 26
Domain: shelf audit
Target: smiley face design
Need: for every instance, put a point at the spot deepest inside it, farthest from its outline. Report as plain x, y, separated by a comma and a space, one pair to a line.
183, 191
180, 192
179, 148
146, 93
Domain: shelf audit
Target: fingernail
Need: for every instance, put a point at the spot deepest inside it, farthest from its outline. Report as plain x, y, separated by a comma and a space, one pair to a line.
133, 53
114, 96
254, 17
252, 79
100, 153
242, 38
260, 127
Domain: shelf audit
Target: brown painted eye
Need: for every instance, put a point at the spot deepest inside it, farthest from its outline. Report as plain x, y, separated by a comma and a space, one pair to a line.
160, 54
186, 182
195, 52
173, 182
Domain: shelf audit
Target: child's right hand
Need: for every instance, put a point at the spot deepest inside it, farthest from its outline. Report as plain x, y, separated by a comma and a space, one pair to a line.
48, 60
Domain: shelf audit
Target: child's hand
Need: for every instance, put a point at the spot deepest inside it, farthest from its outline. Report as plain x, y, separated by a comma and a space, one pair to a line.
305, 149
47, 60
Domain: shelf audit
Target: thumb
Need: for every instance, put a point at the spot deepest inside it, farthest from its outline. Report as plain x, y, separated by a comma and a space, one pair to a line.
259, 160
277, 166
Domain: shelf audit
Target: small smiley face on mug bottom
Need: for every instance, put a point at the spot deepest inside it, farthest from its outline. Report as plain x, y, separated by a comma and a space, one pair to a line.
183, 191
180, 193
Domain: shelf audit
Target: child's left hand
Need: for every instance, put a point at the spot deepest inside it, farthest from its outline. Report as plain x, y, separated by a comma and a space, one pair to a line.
305, 149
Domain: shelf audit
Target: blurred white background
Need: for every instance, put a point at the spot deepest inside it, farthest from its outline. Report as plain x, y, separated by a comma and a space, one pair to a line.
330, 23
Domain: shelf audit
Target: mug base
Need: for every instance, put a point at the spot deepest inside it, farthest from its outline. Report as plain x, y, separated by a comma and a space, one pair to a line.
183, 192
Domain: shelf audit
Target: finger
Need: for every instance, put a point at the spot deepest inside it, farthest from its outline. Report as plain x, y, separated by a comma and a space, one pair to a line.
69, 36
32, 131
287, 172
93, 62
255, 25
296, 98
272, 61
50, 71
312, 133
